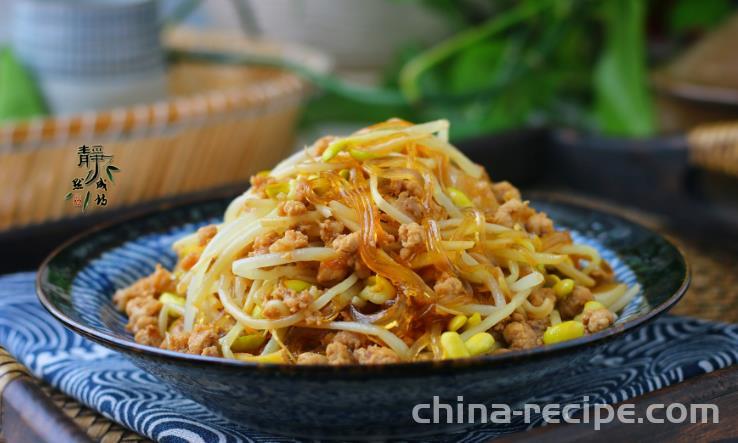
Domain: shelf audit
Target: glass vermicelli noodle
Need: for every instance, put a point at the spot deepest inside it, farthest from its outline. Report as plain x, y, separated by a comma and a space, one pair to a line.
387, 245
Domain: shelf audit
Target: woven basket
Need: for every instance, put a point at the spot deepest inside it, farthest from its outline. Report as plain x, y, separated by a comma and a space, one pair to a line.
220, 124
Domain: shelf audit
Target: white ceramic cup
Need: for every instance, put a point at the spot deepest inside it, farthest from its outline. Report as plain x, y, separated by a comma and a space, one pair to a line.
91, 54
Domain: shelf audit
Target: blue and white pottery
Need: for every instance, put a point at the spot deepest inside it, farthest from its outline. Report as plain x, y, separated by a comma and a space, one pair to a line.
91, 54
76, 283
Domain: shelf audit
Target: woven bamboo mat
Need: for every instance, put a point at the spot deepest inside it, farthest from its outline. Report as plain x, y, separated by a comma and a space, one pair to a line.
713, 295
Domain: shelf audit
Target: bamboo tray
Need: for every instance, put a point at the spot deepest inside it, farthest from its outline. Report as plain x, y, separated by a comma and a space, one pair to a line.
219, 125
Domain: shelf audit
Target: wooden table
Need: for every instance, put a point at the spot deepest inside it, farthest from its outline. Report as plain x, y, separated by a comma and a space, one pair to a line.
719, 388
33, 412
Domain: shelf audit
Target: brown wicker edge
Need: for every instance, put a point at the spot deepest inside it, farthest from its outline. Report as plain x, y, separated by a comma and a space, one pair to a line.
184, 110
714, 146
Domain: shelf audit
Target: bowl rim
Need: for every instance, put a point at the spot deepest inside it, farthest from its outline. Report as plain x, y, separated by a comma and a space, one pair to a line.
355, 370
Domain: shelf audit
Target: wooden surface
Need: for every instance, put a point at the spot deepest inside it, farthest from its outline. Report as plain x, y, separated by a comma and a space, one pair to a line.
30, 416
719, 388
33, 412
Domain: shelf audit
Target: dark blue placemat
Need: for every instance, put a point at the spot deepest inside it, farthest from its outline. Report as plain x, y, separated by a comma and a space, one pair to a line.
665, 352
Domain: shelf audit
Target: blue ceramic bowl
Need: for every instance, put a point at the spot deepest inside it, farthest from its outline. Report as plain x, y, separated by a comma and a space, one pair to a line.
77, 281
82, 37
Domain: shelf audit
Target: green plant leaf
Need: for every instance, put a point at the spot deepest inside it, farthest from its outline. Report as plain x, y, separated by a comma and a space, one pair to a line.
68, 196
623, 105
20, 97
514, 63
477, 68
688, 15
519, 13
336, 108
86, 202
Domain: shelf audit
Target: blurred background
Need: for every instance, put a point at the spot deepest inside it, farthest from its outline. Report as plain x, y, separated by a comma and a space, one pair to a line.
624, 103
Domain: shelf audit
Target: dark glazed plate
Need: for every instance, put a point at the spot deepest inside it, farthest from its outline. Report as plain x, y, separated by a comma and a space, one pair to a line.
75, 284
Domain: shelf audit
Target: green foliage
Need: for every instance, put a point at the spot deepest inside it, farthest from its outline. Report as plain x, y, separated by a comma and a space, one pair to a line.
623, 105
688, 15
19, 96
518, 63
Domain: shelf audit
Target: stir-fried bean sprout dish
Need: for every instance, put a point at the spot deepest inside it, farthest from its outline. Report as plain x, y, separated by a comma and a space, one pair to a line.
388, 245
